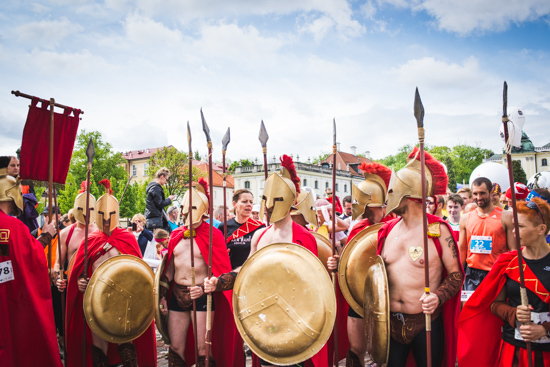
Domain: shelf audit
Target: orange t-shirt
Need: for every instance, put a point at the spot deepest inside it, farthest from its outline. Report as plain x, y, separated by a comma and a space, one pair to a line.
54, 248
489, 226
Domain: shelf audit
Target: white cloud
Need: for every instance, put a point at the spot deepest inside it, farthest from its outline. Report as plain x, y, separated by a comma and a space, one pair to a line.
47, 34
39, 8
319, 27
69, 63
143, 30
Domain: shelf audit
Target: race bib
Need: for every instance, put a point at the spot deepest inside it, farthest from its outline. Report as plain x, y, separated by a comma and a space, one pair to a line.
6, 272
481, 244
537, 318
465, 295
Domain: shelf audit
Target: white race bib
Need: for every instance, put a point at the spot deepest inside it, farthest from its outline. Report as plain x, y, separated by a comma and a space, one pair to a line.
481, 244
6, 272
465, 295
537, 318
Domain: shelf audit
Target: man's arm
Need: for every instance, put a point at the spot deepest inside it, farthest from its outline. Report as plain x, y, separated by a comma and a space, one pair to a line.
61, 251
462, 239
508, 224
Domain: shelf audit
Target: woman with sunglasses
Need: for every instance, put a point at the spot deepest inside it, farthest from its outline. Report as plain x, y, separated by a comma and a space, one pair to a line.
493, 326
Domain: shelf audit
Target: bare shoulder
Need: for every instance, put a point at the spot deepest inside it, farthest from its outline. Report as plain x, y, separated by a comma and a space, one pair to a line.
257, 235
464, 220
506, 216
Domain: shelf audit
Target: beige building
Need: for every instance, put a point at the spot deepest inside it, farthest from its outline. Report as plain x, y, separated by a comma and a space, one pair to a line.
136, 163
532, 159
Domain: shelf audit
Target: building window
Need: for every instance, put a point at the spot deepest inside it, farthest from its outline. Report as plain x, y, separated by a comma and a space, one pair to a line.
145, 169
317, 185
345, 188
305, 182
134, 170
247, 184
544, 162
336, 188
326, 185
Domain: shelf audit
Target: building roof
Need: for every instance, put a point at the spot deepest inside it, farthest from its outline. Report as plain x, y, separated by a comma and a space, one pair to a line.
344, 159
217, 176
141, 154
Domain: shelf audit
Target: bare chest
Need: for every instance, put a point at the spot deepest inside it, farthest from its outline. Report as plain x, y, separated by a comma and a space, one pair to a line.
406, 248
273, 235
182, 254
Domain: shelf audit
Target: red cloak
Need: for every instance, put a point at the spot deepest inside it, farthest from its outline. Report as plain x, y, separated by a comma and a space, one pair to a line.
227, 345
338, 206
28, 336
479, 331
125, 242
451, 308
249, 226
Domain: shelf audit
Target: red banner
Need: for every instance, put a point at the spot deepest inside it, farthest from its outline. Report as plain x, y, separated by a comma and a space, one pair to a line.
36, 143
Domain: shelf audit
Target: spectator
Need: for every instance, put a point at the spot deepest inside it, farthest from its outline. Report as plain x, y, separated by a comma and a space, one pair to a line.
256, 212
143, 235
455, 204
156, 201
13, 168
485, 233
521, 192
347, 211
161, 239
435, 205
324, 213
496, 191
172, 218
504, 201
328, 192
466, 195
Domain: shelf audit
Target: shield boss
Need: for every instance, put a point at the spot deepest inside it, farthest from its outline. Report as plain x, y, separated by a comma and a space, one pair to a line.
118, 302
284, 304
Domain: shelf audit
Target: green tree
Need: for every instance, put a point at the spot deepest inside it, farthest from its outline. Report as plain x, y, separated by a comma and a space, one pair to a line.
320, 158
398, 160
242, 162
466, 158
178, 164
519, 173
197, 156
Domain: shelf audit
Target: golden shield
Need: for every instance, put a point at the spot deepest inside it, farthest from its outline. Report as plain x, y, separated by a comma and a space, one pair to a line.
118, 302
161, 321
284, 303
358, 255
324, 248
377, 312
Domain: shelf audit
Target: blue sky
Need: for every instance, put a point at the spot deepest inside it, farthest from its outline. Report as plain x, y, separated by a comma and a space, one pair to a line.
141, 69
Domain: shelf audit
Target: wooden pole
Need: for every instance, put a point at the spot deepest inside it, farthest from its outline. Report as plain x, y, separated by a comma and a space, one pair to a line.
19, 94
334, 272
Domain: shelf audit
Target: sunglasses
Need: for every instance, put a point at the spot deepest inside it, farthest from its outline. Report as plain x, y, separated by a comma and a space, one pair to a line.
535, 207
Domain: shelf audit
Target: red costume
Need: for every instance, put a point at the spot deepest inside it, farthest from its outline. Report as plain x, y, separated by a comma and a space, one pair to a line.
479, 331
226, 341
125, 242
451, 308
28, 336
338, 206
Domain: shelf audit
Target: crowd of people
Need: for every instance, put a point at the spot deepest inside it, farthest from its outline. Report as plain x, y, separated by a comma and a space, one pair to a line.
472, 253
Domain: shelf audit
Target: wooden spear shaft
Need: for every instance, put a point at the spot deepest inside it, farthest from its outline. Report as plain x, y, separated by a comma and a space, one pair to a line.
61, 271
334, 272
210, 238
522, 289
224, 196
50, 178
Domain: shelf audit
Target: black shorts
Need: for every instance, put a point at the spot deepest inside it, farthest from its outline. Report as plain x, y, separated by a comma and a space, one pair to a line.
352, 313
473, 278
200, 303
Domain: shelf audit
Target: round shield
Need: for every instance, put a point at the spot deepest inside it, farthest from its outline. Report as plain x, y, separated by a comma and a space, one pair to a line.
118, 302
357, 257
161, 321
70, 266
284, 303
324, 248
377, 312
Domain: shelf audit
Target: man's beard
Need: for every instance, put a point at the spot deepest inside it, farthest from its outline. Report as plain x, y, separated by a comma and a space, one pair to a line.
400, 211
485, 203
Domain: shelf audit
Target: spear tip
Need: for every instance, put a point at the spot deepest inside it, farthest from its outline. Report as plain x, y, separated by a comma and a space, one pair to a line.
418, 109
90, 151
263, 137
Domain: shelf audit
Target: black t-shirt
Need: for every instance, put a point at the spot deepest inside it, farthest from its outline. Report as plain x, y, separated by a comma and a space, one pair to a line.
239, 248
541, 269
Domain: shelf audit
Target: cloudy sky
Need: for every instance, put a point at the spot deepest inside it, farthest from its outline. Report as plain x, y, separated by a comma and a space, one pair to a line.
141, 69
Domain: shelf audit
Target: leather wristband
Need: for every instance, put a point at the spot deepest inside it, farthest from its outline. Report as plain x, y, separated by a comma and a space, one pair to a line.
45, 238
226, 282
164, 285
504, 311
449, 287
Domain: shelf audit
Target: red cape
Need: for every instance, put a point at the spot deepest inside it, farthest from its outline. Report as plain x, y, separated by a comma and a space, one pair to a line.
28, 336
301, 236
451, 308
227, 345
479, 331
337, 205
146, 346
249, 226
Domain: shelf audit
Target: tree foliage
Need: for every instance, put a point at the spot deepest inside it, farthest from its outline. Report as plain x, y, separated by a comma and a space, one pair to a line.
321, 157
241, 162
519, 173
177, 163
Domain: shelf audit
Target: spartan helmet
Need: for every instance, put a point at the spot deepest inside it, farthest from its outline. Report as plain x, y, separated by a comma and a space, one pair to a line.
305, 205
106, 208
370, 192
79, 208
200, 205
10, 190
279, 195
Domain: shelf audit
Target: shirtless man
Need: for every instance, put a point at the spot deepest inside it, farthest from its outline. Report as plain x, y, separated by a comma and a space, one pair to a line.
179, 304
72, 236
400, 243
107, 242
278, 198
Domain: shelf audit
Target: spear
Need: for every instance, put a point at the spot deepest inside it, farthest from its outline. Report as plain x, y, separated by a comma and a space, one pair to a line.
334, 279
522, 289
210, 229
263, 139
419, 115
61, 271
191, 246
90, 152
225, 142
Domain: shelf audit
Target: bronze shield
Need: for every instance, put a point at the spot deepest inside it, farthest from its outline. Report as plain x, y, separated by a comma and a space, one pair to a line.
358, 255
377, 312
284, 303
161, 321
324, 248
118, 302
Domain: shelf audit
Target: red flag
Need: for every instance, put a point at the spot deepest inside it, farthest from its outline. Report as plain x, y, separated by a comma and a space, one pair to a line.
36, 143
